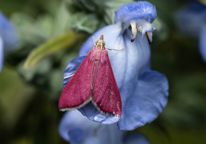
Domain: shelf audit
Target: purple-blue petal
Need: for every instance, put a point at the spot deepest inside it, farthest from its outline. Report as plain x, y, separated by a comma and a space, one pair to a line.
8, 33
91, 112
71, 69
1, 54
71, 127
77, 129
136, 10
202, 42
76, 135
146, 101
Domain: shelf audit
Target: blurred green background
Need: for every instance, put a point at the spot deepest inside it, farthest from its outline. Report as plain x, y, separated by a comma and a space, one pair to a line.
51, 34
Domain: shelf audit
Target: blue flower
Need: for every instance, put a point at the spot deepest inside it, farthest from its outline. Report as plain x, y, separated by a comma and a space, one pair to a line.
77, 129
202, 42
1, 54
192, 21
143, 92
8, 37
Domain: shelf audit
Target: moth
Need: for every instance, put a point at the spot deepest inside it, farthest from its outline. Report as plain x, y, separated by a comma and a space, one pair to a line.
94, 82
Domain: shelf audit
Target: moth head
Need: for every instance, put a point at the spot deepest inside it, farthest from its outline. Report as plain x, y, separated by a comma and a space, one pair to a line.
100, 42
103, 43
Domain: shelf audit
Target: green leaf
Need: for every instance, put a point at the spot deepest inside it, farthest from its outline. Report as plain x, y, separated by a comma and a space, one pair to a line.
62, 20
15, 96
110, 7
84, 4
55, 81
161, 30
90, 5
84, 22
30, 30
45, 23
42, 68
50, 47
203, 1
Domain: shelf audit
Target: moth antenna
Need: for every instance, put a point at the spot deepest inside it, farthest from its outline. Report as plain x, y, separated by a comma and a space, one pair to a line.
68, 76
97, 65
93, 68
99, 44
114, 49
94, 41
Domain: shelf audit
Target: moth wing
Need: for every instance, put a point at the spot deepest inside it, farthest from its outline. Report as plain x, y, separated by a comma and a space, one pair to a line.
78, 90
106, 94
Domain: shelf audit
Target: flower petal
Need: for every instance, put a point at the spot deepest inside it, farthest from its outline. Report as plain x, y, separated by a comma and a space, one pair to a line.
202, 42
76, 135
77, 129
91, 112
70, 128
1, 54
146, 102
71, 69
8, 33
136, 10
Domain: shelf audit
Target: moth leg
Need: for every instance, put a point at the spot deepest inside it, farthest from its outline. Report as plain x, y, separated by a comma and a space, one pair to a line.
122, 48
94, 42
68, 76
92, 86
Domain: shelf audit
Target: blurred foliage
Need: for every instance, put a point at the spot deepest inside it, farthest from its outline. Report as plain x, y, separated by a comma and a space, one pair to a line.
29, 98
203, 1
50, 47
